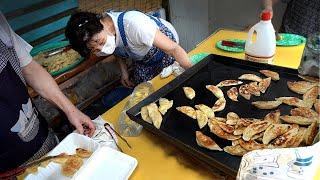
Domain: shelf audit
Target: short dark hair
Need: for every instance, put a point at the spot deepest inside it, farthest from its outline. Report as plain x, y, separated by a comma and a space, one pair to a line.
80, 29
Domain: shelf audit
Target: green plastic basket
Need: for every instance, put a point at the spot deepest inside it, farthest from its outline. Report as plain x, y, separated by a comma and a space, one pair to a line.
52, 46
290, 40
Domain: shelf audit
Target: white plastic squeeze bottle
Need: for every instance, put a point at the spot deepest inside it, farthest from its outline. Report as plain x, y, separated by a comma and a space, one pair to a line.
264, 47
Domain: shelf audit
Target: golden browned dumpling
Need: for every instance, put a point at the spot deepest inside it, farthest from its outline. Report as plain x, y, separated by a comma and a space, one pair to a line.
61, 158
273, 131
311, 95
187, 110
232, 93
311, 133
317, 106
273, 117
164, 105
154, 115
250, 77
254, 128
205, 109
189, 92
304, 112
266, 104
309, 78
215, 90
236, 150
215, 128
298, 120
226, 127
71, 166
254, 89
83, 153
244, 91
241, 126
300, 87
251, 145
273, 75
219, 105
294, 101
264, 84
299, 137
288, 138
206, 142
201, 118
229, 83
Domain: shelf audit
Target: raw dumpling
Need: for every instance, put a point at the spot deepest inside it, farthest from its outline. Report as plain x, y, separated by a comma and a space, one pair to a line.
201, 118
154, 115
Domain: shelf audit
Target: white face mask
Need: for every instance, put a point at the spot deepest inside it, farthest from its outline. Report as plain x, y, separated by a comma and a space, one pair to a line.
109, 47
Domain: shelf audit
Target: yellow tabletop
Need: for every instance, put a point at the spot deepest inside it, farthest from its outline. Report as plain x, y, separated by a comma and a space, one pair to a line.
285, 56
158, 159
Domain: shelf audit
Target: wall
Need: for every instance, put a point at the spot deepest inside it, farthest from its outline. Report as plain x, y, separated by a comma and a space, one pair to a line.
190, 20
195, 20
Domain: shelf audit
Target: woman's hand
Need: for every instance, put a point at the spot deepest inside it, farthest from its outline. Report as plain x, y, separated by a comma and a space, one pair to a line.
125, 81
81, 122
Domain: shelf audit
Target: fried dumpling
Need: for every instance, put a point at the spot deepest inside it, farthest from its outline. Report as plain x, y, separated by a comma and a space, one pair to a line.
251, 145
311, 95
257, 136
229, 83
215, 129
189, 92
264, 84
299, 137
235, 142
254, 88
226, 127
154, 115
219, 105
317, 106
241, 126
83, 153
61, 158
236, 150
71, 166
205, 109
244, 92
254, 128
206, 142
250, 77
232, 93
215, 90
273, 75
273, 131
294, 101
266, 104
309, 78
145, 114
164, 105
298, 120
288, 138
300, 87
201, 118
187, 110
273, 117
311, 133
304, 112
232, 118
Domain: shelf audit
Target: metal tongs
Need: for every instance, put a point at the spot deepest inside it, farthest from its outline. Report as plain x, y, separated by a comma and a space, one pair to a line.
56, 51
107, 126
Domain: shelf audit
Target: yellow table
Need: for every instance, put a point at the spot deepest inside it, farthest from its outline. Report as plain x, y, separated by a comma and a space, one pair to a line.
158, 159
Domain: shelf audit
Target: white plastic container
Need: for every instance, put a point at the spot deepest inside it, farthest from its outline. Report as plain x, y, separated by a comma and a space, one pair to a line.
264, 47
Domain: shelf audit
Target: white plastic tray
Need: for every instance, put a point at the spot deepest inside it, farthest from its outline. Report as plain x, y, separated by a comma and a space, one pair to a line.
104, 159
107, 163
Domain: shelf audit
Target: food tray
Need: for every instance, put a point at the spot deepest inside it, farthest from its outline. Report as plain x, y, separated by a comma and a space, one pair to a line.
104, 162
52, 46
180, 129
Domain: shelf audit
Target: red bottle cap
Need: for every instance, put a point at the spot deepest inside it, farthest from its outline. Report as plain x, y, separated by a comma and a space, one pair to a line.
266, 16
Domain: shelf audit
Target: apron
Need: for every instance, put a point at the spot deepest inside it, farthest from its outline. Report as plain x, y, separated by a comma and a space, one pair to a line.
23, 130
154, 61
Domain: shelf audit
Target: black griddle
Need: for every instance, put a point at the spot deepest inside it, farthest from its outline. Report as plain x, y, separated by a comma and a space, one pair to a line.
179, 129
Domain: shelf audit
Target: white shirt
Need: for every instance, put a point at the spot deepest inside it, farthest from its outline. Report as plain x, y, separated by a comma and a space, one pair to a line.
140, 31
11, 39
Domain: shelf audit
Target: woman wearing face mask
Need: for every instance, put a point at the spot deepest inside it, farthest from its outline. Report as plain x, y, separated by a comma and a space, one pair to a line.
151, 42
